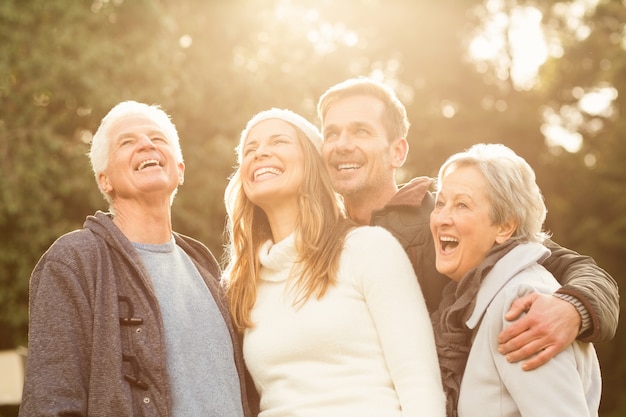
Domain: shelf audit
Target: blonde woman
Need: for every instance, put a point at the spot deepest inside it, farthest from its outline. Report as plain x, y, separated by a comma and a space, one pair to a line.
333, 320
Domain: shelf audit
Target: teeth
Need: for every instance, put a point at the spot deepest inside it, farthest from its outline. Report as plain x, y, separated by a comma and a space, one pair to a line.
348, 166
266, 171
448, 242
147, 162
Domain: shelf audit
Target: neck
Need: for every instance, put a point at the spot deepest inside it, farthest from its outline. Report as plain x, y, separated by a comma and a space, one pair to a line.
360, 207
282, 221
145, 224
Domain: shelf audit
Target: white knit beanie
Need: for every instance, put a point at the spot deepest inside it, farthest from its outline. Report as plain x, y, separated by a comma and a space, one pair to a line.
309, 130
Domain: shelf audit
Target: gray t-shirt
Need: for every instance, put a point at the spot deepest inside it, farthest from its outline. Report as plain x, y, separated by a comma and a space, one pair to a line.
200, 359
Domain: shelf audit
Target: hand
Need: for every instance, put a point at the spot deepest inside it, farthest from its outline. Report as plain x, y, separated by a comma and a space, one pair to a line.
548, 327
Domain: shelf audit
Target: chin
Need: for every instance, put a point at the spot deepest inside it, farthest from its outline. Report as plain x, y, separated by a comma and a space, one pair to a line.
449, 272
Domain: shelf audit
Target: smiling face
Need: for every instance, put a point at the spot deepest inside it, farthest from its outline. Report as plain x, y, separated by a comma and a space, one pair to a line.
272, 166
360, 157
141, 163
461, 222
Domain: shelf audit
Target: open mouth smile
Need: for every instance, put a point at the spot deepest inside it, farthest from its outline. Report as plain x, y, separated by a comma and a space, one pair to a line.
448, 243
348, 166
266, 172
148, 163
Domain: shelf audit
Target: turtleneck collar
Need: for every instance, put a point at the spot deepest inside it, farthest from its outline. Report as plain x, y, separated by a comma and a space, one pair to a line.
277, 259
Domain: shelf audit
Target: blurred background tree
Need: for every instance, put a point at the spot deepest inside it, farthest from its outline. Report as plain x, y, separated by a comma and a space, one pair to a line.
545, 78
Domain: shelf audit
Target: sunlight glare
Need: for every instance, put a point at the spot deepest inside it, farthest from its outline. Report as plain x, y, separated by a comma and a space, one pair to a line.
598, 102
323, 35
520, 60
513, 41
590, 160
563, 128
185, 41
573, 14
328, 36
448, 109
528, 44
559, 136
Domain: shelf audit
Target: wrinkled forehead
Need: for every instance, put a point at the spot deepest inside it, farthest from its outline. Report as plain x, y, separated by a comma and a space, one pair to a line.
133, 123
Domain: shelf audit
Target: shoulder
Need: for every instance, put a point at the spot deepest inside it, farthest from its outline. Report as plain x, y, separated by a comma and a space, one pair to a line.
407, 214
190, 243
414, 193
372, 258
532, 279
98, 232
199, 253
518, 271
369, 235
371, 243
82, 249
78, 242
513, 276
71, 259
417, 187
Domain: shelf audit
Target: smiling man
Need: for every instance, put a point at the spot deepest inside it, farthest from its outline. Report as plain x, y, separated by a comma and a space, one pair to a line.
364, 127
126, 315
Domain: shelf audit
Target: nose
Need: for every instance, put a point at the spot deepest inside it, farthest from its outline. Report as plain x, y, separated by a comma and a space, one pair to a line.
440, 215
146, 142
262, 151
344, 142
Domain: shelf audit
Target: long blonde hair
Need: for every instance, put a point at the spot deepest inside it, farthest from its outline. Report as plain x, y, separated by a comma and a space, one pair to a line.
320, 232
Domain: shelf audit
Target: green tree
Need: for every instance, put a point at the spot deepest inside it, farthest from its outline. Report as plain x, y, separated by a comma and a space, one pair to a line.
57, 59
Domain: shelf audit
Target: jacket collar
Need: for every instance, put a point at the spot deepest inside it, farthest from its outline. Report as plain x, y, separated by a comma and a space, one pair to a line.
410, 194
518, 259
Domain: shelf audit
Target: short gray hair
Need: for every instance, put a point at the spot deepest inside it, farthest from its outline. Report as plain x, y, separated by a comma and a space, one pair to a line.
512, 188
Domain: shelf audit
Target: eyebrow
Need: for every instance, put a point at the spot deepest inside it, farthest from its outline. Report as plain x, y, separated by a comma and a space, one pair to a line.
149, 133
360, 123
350, 125
455, 196
276, 135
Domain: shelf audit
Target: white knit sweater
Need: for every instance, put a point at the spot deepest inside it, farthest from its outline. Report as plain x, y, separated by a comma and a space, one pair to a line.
365, 349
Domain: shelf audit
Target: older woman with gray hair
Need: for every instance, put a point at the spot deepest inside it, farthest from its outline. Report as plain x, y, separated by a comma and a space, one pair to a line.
487, 228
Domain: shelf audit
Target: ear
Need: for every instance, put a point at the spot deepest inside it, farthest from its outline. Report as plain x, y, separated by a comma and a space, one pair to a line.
181, 173
505, 231
104, 184
399, 152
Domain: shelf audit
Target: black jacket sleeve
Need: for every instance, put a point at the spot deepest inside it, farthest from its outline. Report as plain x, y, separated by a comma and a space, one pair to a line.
582, 278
